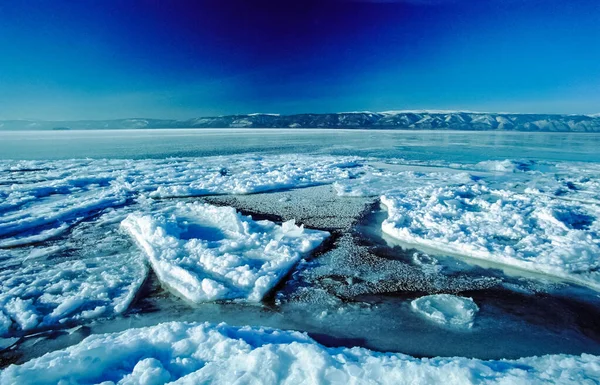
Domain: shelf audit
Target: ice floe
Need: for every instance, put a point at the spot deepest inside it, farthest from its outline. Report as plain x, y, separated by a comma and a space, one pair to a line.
192, 353
446, 309
205, 253
44, 295
531, 232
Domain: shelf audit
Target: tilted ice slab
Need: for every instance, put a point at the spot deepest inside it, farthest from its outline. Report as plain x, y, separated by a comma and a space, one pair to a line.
528, 231
446, 309
200, 353
206, 253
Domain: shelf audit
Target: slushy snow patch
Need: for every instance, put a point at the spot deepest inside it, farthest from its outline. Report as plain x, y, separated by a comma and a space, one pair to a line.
201, 353
206, 253
446, 309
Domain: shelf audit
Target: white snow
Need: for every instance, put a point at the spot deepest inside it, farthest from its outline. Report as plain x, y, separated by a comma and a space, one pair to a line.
446, 309
206, 253
194, 353
526, 231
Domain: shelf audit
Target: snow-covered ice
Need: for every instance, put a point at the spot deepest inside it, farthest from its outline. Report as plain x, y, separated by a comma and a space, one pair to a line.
206, 253
43, 203
193, 353
526, 231
40, 200
42, 288
446, 309
537, 216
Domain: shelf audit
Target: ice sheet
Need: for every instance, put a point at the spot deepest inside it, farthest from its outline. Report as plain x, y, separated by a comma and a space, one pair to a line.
183, 353
206, 253
537, 216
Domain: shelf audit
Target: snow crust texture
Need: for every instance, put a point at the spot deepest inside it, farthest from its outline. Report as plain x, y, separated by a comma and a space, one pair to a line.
446, 309
206, 253
183, 353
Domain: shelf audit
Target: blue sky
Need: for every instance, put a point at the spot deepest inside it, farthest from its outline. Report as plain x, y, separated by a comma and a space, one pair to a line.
179, 59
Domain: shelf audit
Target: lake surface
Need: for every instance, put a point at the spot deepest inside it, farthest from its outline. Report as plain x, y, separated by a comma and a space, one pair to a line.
411, 145
61, 223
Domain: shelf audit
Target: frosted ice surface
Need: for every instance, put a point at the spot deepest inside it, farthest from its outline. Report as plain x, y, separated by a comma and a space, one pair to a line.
193, 353
446, 309
206, 253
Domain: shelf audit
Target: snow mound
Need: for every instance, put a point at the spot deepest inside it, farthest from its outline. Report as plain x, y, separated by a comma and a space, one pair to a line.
528, 231
447, 309
194, 353
206, 253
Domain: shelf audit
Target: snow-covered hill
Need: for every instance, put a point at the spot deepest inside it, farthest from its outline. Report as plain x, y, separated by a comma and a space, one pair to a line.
402, 120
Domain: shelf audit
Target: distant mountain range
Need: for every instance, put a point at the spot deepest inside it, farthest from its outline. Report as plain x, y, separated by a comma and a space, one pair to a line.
398, 120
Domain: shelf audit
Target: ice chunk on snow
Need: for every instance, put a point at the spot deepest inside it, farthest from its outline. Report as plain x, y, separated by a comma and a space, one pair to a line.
23, 312
447, 309
206, 253
5, 323
182, 353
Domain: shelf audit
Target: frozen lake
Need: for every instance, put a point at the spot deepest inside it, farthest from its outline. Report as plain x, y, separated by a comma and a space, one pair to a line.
432, 243
414, 145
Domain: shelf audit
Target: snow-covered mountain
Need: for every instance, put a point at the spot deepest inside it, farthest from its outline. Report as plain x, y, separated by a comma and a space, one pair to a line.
402, 120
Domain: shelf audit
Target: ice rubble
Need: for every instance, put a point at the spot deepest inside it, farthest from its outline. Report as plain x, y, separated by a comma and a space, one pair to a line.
446, 309
531, 232
537, 216
40, 200
42, 284
206, 253
192, 353
41, 288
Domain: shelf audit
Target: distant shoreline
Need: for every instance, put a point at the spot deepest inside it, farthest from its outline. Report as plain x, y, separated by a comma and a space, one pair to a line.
390, 120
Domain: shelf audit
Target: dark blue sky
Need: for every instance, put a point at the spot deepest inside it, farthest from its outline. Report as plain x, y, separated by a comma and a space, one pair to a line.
63, 59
